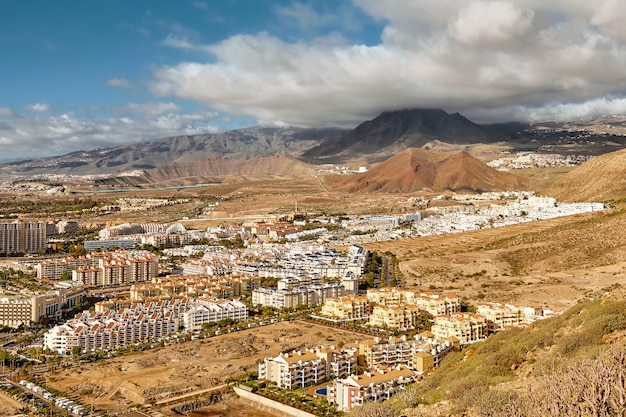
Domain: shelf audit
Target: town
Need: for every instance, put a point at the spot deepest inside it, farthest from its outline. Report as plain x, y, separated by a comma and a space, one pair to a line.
143, 285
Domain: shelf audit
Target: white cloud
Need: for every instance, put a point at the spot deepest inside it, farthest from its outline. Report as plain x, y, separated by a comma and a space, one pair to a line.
119, 82
31, 136
609, 16
178, 42
39, 107
5, 111
154, 109
487, 23
306, 18
475, 56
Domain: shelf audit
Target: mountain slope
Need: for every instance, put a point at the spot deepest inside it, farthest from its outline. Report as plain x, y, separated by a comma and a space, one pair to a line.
514, 371
417, 169
216, 170
235, 144
391, 132
600, 178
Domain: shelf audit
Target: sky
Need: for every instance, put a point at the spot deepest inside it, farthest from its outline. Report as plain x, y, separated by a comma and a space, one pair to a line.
81, 74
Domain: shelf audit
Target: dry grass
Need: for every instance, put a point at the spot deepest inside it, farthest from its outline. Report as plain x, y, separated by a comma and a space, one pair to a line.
116, 383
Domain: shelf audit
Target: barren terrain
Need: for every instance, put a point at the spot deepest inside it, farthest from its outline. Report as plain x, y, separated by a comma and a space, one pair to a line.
162, 373
550, 263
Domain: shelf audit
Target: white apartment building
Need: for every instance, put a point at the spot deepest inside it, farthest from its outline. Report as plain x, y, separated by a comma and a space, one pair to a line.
22, 237
377, 385
291, 298
103, 333
110, 328
205, 310
302, 369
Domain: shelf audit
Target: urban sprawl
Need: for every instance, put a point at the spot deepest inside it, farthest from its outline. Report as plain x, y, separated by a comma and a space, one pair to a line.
160, 284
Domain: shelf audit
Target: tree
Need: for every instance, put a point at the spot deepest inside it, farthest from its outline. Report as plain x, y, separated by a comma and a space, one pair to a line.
76, 351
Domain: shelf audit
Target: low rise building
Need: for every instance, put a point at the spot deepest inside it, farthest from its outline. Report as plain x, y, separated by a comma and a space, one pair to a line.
302, 369
379, 384
400, 317
435, 304
402, 351
309, 295
116, 324
206, 310
467, 327
347, 308
502, 316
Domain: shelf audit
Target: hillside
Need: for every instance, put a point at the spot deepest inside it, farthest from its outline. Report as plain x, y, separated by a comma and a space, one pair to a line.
599, 179
418, 169
514, 372
393, 131
235, 144
220, 170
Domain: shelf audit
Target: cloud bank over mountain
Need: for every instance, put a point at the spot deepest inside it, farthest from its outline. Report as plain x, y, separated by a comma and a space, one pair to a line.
154, 68
495, 60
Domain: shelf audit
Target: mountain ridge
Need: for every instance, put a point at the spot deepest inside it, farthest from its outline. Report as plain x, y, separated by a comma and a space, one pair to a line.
370, 142
392, 131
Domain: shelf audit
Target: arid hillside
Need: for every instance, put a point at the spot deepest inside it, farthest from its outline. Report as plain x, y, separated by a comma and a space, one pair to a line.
571, 365
600, 178
551, 263
162, 373
417, 169
218, 169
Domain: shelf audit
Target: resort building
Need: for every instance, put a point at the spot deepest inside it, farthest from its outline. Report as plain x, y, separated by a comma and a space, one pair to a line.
17, 309
346, 309
205, 310
303, 369
467, 327
502, 316
435, 304
398, 317
379, 384
117, 324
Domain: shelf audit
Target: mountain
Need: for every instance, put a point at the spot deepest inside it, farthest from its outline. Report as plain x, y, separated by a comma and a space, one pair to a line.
393, 131
372, 141
236, 144
417, 169
215, 170
600, 178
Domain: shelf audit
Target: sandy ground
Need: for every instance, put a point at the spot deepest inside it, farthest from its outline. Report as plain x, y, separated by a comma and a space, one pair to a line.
8, 406
561, 260
118, 383
233, 407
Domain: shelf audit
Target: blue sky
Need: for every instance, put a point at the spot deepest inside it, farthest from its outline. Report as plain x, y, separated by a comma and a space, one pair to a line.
81, 74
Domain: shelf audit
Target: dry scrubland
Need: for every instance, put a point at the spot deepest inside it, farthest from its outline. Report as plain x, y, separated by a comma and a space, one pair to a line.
549, 263
161, 373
